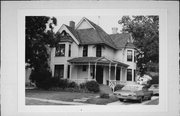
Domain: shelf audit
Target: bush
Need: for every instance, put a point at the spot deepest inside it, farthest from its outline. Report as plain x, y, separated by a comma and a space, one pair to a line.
63, 83
72, 85
104, 95
92, 86
155, 80
42, 78
82, 86
118, 87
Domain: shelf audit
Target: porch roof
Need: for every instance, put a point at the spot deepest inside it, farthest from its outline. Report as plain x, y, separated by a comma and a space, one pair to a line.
98, 60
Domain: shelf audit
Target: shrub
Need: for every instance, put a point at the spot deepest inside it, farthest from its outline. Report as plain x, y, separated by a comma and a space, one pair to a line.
118, 87
72, 85
104, 95
82, 86
63, 83
155, 79
42, 78
92, 86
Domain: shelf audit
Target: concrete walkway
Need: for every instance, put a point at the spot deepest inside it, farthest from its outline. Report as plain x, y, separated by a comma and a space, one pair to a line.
56, 101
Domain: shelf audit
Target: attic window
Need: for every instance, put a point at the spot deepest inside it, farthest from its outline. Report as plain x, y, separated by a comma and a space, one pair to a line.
85, 50
129, 55
98, 51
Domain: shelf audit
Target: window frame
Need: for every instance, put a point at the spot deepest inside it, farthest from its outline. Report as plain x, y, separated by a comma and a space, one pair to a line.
128, 74
98, 51
131, 55
58, 53
85, 51
69, 53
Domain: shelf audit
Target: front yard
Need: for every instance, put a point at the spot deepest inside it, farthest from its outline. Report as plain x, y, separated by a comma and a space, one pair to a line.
91, 98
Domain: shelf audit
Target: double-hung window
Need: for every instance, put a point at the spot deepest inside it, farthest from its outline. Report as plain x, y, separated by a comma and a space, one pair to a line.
129, 55
98, 51
85, 50
60, 50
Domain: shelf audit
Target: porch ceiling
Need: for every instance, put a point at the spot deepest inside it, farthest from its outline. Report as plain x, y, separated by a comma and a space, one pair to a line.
97, 60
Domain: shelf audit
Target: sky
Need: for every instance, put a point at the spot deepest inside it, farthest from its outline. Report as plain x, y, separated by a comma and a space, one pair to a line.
105, 22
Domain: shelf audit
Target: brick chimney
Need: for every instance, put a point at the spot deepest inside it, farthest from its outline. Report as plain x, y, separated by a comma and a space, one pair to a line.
72, 24
114, 30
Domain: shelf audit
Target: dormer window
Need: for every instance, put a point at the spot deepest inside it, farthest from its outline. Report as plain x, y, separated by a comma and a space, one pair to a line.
60, 50
85, 51
129, 55
98, 51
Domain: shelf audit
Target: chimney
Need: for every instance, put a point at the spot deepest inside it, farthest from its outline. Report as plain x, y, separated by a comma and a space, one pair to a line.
114, 30
72, 24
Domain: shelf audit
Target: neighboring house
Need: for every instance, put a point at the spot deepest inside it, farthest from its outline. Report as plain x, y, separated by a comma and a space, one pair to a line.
87, 52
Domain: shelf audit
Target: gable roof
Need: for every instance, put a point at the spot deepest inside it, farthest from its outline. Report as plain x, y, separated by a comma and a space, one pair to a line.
96, 35
121, 40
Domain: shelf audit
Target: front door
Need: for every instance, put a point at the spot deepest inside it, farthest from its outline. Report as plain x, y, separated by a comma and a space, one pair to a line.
99, 74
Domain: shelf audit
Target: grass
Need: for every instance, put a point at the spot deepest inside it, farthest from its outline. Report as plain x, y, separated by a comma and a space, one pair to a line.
58, 95
37, 102
153, 102
102, 101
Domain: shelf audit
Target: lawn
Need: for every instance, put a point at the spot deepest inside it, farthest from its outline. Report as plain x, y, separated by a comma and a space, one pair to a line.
66, 96
58, 95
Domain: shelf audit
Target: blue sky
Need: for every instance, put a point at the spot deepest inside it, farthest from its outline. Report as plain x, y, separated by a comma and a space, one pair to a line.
106, 22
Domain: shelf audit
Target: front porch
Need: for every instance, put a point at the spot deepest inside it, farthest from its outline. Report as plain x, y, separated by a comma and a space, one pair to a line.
100, 69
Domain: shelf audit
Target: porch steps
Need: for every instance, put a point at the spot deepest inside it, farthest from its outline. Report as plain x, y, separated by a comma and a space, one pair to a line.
105, 89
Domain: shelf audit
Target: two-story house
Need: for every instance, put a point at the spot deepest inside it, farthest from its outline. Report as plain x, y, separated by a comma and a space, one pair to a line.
87, 52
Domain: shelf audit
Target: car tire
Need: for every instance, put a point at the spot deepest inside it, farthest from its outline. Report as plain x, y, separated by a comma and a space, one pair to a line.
149, 98
121, 99
140, 100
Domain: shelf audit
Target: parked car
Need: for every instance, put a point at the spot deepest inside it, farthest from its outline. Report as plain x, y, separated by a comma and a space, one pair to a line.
155, 89
134, 92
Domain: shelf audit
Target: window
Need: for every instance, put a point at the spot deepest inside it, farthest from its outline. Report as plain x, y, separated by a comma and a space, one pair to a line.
59, 71
134, 56
85, 50
60, 50
118, 73
129, 55
69, 51
68, 72
134, 75
98, 51
84, 68
129, 74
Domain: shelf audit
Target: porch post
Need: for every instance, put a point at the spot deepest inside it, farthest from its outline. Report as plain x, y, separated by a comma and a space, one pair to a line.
70, 75
89, 71
121, 74
109, 71
115, 70
95, 71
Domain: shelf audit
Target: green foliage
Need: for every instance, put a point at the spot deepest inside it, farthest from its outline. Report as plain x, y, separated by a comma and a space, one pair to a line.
38, 39
155, 80
104, 95
42, 78
73, 85
145, 31
118, 87
92, 86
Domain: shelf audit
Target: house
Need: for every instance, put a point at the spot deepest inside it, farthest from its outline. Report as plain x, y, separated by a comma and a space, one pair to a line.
86, 52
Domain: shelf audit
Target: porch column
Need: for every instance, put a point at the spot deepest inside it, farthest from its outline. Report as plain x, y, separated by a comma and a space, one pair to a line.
95, 71
115, 70
89, 71
121, 74
109, 71
70, 72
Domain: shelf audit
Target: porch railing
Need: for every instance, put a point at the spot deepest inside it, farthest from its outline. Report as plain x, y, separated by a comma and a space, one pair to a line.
79, 81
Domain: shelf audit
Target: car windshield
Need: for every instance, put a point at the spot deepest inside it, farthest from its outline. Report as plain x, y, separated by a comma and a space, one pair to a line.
132, 87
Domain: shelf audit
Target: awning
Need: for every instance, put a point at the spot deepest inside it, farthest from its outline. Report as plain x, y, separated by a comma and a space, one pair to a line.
96, 60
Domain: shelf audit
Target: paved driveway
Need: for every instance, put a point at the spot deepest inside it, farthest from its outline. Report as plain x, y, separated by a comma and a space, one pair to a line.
135, 102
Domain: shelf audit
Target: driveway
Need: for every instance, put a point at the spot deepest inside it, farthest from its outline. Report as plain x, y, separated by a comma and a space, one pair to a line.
154, 98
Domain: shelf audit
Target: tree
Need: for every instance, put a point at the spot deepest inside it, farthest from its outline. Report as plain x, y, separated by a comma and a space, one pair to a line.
38, 39
145, 31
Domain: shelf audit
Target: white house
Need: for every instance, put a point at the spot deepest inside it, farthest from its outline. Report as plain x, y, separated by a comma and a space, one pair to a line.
87, 52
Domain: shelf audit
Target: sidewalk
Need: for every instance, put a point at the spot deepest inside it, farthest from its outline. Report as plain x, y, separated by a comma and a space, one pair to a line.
56, 101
